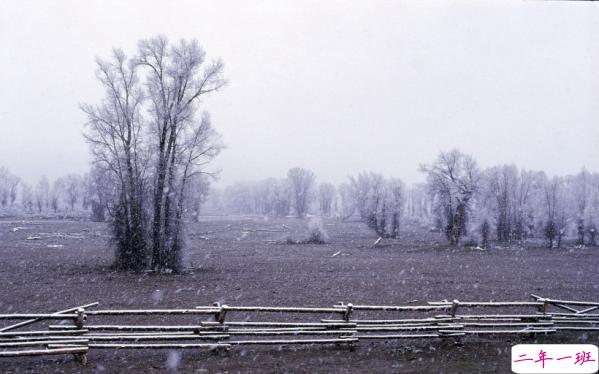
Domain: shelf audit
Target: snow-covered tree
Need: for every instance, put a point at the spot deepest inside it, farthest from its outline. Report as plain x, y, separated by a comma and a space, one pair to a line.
149, 133
453, 179
302, 183
326, 197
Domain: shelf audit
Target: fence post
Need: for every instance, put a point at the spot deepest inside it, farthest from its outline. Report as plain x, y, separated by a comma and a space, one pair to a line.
79, 321
348, 309
454, 307
220, 315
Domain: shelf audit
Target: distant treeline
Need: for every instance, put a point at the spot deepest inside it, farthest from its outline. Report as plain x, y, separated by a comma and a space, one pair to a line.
468, 204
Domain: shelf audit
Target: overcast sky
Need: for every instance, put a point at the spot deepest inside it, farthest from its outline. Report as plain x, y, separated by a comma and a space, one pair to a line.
334, 86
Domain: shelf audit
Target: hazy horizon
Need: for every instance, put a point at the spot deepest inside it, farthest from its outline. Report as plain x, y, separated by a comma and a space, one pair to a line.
335, 87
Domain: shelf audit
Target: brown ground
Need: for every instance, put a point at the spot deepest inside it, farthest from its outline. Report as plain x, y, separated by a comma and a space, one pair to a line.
69, 266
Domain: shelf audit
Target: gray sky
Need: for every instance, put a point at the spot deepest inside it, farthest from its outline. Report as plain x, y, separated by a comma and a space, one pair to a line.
334, 86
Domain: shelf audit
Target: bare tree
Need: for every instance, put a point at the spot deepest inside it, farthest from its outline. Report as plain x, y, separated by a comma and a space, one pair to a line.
115, 134
100, 191
347, 201
73, 189
583, 192
453, 179
366, 191
418, 203
302, 182
9, 186
326, 195
502, 182
396, 192
177, 79
281, 196
551, 191
199, 187
147, 133
27, 198
56, 193
42, 194
380, 202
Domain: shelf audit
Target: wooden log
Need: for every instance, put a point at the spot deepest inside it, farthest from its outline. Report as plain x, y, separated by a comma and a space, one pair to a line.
576, 321
282, 309
392, 321
156, 337
293, 332
476, 304
497, 320
403, 324
498, 316
498, 332
396, 336
41, 333
191, 328
25, 323
570, 309
293, 341
17, 339
285, 329
38, 316
151, 312
567, 302
588, 309
403, 328
159, 346
508, 324
339, 324
44, 352
43, 342
400, 308
573, 315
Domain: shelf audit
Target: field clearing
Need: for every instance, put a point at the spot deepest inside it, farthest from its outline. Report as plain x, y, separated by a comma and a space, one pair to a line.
47, 265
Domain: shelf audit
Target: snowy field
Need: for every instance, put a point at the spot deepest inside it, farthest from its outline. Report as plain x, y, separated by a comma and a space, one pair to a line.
46, 265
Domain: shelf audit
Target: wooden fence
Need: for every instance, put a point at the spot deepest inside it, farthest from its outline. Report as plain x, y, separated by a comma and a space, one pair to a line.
70, 331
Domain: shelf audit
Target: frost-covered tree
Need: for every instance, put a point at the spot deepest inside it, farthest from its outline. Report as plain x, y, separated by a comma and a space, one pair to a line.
177, 77
198, 189
56, 194
42, 194
347, 201
584, 192
453, 179
9, 187
100, 190
116, 137
280, 197
502, 182
302, 183
148, 132
418, 203
73, 189
366, 190
505, 195
380, 202
395, 196
27, 198
555, 199
326, 196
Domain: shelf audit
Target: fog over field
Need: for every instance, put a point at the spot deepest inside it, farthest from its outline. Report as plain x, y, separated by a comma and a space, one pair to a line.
299, 186
337, 87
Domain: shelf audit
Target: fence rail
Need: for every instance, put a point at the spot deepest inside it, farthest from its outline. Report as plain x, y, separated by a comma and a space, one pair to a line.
222, 331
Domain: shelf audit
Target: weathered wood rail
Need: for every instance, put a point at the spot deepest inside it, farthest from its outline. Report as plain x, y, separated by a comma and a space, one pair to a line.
219, 329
